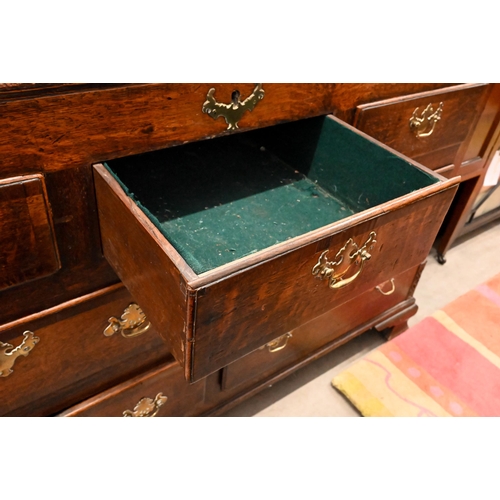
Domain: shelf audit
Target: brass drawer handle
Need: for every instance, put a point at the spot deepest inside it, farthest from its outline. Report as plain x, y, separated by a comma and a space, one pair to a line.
390, 292
349, 255
233, 112
132, 323
278, 344
423, 125
147, 407
7, 359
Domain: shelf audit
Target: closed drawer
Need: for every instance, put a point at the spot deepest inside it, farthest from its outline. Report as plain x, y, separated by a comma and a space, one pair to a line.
28, 250
58, 358
299, 344
225, 242
428, 127
161, 392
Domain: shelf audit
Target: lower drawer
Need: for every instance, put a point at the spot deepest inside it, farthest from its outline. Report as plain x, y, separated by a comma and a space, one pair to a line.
161, 392
54, 359
298, 344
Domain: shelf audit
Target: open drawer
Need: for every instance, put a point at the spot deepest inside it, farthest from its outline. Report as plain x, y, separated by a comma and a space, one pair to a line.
230, 242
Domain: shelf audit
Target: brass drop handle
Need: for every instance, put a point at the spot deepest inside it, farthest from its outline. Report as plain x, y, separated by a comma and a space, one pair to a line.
278, 343
390, 292
147, 407
423, 125
133, 322
9, 354
233, 112
339, 271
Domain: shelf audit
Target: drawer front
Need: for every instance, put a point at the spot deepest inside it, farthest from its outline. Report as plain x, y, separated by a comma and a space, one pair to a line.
161, 392
237, 315
58, 359
28, 250
428, 127
298, 344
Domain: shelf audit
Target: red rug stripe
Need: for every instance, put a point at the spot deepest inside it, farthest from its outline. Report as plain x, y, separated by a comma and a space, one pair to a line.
454, 364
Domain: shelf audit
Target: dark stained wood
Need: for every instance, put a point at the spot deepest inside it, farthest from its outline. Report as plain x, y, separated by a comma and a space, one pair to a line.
60, 130
472, 171
183, 400
480, 143
28, 250
233, 320
317, 333
15, 91
55, 132
348, 96
470, 157
147, 265
446, 171
64, 128
83, 269
211, 320
227, 403
388, 121
73, 359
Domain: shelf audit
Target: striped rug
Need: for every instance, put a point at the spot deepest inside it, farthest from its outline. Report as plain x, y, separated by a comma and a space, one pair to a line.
446, 365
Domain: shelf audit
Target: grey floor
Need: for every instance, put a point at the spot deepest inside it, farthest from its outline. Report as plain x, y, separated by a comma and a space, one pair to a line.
308, 392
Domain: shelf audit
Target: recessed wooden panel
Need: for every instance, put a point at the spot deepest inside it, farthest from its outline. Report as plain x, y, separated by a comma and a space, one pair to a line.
28, 249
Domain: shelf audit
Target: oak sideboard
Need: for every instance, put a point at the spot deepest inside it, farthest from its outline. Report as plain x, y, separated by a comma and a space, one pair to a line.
171, 249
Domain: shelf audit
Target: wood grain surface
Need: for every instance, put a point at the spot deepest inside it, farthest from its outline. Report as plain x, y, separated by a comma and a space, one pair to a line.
73, 360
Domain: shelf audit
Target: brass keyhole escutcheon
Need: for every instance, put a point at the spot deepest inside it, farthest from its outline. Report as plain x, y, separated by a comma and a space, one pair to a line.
233, 112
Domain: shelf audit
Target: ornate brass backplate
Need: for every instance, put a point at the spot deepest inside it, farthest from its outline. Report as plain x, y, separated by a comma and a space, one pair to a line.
132, 323
9, 354
147, 407
423, 125
349, 257
233, 112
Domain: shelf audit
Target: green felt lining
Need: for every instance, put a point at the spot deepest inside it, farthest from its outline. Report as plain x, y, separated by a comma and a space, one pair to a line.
217, 201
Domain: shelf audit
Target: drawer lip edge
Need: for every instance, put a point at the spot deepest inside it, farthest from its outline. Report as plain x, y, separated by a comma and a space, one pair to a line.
418, 95
298, 242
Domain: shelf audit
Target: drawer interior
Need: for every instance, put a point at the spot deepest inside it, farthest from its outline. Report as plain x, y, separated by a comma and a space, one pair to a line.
219, 200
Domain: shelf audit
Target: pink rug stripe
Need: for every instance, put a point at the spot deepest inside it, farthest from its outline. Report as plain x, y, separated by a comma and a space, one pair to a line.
489, 294
455, 364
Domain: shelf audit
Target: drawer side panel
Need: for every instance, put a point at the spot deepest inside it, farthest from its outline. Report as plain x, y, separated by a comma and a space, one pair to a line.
143, 266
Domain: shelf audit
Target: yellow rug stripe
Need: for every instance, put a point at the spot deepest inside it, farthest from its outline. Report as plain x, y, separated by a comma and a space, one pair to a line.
356, 392
415, 401
453, 327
